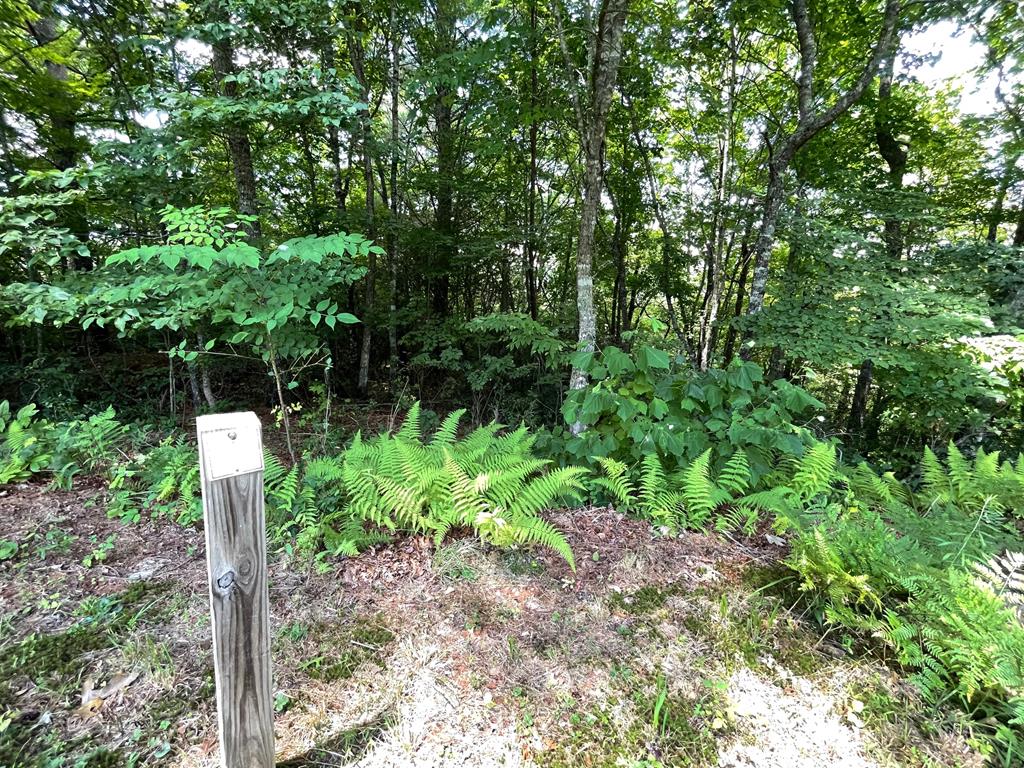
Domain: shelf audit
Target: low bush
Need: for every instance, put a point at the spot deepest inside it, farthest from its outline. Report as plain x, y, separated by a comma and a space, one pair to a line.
649, 403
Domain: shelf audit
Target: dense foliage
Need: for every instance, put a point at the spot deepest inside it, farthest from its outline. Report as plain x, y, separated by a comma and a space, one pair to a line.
734, 267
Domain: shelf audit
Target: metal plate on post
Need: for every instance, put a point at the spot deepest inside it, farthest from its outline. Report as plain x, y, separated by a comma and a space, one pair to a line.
231, 444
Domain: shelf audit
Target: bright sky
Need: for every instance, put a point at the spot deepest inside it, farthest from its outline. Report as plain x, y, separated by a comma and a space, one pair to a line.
958, 57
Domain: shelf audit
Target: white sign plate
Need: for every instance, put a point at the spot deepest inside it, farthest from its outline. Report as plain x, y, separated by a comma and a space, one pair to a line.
230, 444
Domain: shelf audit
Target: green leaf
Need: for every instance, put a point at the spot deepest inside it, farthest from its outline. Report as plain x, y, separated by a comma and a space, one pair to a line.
616, 361
648, 357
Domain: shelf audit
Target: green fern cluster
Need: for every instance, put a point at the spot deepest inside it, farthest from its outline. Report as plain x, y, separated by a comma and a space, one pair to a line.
915, 571
697, 497
489, 482
984, 483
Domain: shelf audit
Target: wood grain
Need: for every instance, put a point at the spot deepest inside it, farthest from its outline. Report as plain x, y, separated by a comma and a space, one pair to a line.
239, 604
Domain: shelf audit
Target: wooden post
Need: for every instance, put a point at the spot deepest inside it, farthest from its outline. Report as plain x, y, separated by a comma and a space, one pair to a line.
231, 470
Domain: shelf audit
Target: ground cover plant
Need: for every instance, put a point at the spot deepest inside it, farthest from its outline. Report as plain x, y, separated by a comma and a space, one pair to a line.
641, 384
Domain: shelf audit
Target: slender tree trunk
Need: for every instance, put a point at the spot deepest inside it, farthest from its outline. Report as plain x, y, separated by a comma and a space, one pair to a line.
765, 238
392, 241
741, 294
995, 217
447, 164
1018, 233
531, 203
610, 26
810, 123
716, 240
236, 133
357, 56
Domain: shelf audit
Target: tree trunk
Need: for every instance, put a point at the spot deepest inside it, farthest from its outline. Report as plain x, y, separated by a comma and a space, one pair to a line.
392, 239
357, 56
610, 26
447, 163
1018, 233
716, 238
741, 292
236, 133
810, 123
765, 238
531, 201
858, 408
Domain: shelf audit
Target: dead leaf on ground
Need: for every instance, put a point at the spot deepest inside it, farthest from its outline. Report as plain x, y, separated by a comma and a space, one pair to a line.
93, 700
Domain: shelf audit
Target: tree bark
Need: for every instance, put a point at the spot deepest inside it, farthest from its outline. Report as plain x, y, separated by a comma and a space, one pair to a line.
716, 237
236, 134
531, 201
1018, 233
392, 238
357, 56
809, 124
447, 162
610, 26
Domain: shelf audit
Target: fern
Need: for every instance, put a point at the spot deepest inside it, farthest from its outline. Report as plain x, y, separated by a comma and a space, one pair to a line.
488, 481
816, 471
616, 482
659, 501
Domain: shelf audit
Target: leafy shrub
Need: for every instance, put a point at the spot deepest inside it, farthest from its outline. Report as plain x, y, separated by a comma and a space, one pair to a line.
902, 569
503, 361
34, 446
649, 404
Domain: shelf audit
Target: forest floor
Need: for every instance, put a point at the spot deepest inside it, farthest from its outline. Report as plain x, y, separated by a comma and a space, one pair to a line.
656, 649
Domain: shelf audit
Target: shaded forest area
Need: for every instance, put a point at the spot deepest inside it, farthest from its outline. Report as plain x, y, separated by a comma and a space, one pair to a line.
742, 272
762, 180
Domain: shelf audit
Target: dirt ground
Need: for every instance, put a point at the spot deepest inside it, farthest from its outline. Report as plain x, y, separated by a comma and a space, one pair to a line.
658, 651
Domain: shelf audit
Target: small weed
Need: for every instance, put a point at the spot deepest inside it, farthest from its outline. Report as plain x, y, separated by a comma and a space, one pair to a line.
54, 541
101, 550
8, 549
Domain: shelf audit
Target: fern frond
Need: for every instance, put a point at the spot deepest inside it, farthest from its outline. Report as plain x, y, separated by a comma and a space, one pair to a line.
446, 433
816, 471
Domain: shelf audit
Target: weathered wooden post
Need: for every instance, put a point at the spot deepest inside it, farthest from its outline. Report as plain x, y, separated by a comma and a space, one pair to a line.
231, 470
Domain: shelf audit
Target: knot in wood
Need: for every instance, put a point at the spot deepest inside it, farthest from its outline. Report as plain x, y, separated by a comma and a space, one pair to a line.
227, 580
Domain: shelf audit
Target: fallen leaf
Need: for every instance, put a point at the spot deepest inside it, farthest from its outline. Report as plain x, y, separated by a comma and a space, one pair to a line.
89, 709
118, 682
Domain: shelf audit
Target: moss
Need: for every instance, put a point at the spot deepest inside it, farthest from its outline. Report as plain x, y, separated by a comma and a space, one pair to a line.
54, 662
53, 657
344, 648
644, 600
